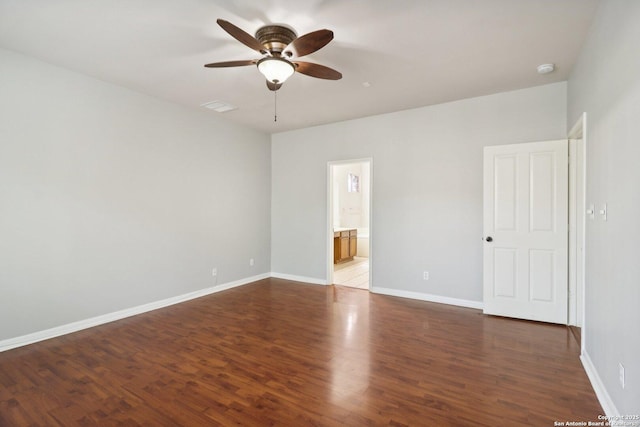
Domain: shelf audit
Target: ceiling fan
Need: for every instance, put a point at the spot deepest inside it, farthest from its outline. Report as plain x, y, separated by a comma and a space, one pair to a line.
278, 44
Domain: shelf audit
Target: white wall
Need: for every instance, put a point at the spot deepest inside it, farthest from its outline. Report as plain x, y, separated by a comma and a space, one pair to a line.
110, 199
426, 186
606, 84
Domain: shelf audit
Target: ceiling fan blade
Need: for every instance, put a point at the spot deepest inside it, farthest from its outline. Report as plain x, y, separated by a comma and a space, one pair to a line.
231, 63
241, 35
273, 86
317, 70
309, 43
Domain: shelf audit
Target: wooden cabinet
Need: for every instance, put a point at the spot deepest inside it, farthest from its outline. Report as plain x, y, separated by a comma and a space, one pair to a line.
345, 245
353, 243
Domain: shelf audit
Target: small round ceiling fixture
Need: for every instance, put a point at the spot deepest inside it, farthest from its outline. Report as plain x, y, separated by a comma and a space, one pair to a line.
546, 68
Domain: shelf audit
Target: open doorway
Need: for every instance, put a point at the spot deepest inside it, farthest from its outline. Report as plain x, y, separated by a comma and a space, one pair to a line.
349, 203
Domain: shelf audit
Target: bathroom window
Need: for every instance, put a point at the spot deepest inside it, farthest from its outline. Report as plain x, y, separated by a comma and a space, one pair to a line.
353, 183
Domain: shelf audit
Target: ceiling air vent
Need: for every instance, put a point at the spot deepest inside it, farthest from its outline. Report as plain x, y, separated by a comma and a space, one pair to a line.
219, 106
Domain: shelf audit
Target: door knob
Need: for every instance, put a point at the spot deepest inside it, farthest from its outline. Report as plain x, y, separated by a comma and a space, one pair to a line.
489, 239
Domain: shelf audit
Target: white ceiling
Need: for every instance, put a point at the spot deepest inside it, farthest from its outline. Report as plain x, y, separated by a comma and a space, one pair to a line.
412, 52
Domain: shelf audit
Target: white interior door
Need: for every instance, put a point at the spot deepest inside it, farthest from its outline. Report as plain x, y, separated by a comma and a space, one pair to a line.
525, 230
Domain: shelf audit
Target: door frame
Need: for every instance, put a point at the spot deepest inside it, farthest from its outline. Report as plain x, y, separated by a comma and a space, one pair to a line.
330, 167
579, 131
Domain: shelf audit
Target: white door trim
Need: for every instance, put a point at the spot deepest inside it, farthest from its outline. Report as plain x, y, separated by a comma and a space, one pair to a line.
330, 165
579, 131
576, 230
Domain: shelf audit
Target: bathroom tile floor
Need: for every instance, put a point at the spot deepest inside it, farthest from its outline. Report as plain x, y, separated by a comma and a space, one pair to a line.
354, 273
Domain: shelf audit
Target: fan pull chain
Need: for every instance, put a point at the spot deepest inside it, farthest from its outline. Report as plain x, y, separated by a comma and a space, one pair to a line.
275, 105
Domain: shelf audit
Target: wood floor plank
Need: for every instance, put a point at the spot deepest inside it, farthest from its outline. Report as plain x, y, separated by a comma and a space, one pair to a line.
277, 352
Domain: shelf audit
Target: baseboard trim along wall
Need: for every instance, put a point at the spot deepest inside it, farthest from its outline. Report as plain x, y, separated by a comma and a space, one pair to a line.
605, 400
428, 297
117, 315
295, 278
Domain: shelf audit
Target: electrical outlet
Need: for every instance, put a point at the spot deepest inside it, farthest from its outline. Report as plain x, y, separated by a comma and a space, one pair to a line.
214, 272
425, 275
251, 262
621, 374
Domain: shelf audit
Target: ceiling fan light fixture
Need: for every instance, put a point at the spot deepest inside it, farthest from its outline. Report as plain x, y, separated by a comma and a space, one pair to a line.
276, 70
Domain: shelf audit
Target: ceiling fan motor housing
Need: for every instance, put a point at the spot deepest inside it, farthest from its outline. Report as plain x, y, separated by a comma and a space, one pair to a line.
275, 37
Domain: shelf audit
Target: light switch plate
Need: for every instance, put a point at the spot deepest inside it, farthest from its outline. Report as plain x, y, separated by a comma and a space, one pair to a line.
603, 212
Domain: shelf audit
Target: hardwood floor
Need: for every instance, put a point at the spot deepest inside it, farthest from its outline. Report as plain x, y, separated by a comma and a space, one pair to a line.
277, 352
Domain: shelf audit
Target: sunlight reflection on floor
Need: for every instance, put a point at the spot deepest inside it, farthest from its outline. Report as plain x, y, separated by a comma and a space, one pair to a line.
350, 366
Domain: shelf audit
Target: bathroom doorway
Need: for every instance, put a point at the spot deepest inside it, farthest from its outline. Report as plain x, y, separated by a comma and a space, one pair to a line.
349, 233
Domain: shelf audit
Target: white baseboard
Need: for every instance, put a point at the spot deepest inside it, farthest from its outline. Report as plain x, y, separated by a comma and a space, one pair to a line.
428, 297
117, 315
605, 400
304, 279
46, 334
